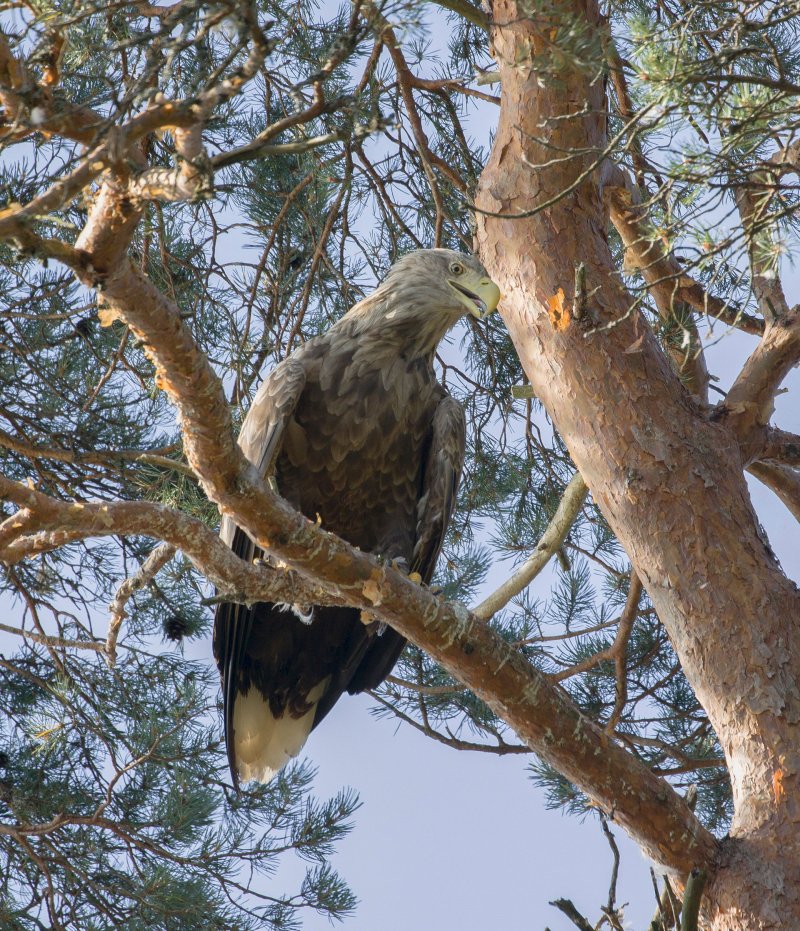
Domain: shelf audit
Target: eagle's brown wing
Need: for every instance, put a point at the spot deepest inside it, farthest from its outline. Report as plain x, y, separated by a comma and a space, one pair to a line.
444, 461
376, 450
260, 440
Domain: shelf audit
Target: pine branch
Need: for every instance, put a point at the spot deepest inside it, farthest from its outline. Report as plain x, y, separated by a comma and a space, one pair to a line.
668, 281
750, 402
552, 540
155, 562
43, 524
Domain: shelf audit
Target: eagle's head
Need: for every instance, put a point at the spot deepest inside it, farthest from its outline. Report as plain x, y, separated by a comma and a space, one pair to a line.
424, 295
449, 280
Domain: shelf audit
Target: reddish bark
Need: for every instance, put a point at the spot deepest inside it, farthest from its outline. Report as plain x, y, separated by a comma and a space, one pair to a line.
668, 478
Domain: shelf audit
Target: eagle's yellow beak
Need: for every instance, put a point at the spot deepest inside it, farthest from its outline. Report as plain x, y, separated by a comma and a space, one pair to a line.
479, 295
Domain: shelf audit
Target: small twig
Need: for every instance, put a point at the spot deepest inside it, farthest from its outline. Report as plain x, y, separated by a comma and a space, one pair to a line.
567, 907
692, 897
619, 649
52, 641
426, 689
611, 911
551, 541
579, 299
158, 558
659, 920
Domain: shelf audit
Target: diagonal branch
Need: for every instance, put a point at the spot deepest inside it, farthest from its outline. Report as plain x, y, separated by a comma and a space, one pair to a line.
158, 557
781, 479
552, 540
751, 399
753, 203
647, 252
541, 714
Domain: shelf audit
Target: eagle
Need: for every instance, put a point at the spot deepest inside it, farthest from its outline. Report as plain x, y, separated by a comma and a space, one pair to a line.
354, 430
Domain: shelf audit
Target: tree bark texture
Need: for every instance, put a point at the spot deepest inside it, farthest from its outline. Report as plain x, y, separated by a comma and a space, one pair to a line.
667, 473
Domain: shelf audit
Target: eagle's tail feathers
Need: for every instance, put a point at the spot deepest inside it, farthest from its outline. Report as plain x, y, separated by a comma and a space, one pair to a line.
264, 744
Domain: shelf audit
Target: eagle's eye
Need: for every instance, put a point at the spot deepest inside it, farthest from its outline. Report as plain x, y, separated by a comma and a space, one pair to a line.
457, 268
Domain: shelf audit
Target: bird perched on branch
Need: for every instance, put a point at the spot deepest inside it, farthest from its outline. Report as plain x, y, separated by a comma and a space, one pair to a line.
354, 428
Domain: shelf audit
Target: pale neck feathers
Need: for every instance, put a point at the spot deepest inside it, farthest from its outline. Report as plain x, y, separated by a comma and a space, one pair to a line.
412, 315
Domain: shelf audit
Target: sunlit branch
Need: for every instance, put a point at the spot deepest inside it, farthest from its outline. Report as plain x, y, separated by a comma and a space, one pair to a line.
552, 540
155, 562
750, 402
666, 277
782, 479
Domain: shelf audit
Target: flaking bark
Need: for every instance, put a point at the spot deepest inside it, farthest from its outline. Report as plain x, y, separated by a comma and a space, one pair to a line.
668, 478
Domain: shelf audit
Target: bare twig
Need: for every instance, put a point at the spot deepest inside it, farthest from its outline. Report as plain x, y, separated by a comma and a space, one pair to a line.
52, 641
155, 561
552, 539
567, 908
618, 651
610, 910
692, 897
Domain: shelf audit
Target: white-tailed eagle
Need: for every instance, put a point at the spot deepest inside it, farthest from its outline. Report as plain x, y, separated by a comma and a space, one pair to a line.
355, 428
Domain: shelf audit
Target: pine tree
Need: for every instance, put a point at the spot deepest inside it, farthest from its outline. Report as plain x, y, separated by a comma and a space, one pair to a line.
189, 192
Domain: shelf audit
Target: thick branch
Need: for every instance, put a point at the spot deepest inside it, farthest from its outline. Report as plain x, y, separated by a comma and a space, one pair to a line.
783, 480
43, 524
750, 402
542, 715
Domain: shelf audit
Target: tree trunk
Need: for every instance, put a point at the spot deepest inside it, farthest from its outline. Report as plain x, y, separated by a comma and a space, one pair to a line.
667, 473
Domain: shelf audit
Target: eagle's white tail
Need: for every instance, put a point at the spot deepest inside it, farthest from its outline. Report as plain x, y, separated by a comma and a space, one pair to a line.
264, 744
